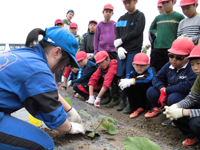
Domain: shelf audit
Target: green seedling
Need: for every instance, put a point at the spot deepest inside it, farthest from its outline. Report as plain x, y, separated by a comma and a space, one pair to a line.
110, 128
140, 143
68, 101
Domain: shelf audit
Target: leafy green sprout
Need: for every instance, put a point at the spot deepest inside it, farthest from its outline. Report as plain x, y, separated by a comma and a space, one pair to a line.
110, 128
140, 143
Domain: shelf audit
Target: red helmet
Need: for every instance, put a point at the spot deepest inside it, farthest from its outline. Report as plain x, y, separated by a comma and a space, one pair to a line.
181, 46
108, 6
159, 3
195, 53
188, 2
141, 59
81, 55
101, 56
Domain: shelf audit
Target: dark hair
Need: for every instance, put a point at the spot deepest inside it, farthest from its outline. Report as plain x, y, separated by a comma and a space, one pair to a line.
194, 58
31, 41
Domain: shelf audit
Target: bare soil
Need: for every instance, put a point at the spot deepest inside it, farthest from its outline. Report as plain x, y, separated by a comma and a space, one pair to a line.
143, 127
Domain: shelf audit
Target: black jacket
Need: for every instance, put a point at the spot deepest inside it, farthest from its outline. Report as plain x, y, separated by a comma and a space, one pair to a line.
87, 42
130, 29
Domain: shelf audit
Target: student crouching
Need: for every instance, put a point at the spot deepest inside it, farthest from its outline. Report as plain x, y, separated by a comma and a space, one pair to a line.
137, 82
107, 70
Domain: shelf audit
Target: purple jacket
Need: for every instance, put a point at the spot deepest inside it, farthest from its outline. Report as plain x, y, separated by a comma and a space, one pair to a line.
104, 37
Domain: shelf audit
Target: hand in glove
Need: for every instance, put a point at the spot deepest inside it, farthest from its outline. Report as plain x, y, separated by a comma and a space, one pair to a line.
91, 100
90, 56
185, 36
77, 128
124, 83
69, 83
173, 113
163, 98
118, 42
121, 53
73, 116
97, 102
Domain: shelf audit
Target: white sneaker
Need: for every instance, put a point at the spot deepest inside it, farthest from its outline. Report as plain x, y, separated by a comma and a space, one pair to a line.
76, 95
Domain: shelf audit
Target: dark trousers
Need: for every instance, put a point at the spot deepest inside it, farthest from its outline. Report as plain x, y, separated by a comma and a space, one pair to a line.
137, 96
189, 127
153, 96
58, 76
113, 55
83, 89
159, 57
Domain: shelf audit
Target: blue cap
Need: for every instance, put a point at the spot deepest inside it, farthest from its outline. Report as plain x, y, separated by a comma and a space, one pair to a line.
65, 40
70, 11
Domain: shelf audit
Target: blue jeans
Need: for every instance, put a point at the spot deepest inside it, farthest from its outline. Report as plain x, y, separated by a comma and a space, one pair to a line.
153, 96
16, 134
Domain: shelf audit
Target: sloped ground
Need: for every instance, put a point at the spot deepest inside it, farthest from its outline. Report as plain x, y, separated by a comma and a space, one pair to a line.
147, 127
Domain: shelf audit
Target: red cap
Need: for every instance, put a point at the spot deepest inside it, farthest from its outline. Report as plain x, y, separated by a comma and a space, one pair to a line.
108, 6
195, 53
93, 21
164, 1
181, 46
101, 56
80, 55
159, 3
58, 21
141, 59
188, 2
73, 25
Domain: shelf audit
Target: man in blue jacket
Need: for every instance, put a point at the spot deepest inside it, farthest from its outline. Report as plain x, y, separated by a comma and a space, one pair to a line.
175, 79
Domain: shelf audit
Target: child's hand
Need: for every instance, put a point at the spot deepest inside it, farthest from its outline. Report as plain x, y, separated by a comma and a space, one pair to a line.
121, 53
69, 83
163, 97
91, 100
124, 83
97, 102
118, 42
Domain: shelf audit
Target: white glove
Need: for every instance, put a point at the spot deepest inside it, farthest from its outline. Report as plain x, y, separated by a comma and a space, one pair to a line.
173, 113
121, 53
90, 55
91, 100
73, 116
174, 106
118, 42
185, 36
97, 102
124, 83
77, 128
69, 83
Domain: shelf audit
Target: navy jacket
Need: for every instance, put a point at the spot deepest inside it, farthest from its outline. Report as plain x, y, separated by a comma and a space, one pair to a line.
87, 71
174, 81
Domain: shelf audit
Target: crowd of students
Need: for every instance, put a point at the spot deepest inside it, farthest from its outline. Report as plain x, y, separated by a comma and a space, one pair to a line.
116, 73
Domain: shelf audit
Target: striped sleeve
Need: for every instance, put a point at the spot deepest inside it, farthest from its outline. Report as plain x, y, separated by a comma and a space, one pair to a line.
194, 113
189, 100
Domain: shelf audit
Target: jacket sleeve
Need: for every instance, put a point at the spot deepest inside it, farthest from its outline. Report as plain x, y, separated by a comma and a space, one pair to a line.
95, 77
39, 96
160, 80
89, 70
79, 73
153, 26
82, 48
96, 39
69, 78
183, 87
138, 29
112, 71
117, 36
147, 77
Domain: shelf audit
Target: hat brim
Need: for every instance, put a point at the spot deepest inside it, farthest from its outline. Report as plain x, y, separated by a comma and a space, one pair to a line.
101, 60
92, 22
193, 56
73, 62
140, 63
173, 51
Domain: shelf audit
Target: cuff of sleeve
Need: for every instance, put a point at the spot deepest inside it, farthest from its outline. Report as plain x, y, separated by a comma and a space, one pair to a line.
160, 87
105, 87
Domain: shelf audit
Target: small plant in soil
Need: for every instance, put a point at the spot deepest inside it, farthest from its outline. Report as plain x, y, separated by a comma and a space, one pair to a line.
106, 122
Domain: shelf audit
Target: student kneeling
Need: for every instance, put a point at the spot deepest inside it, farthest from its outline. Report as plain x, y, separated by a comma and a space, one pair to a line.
137, 82
108, 70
